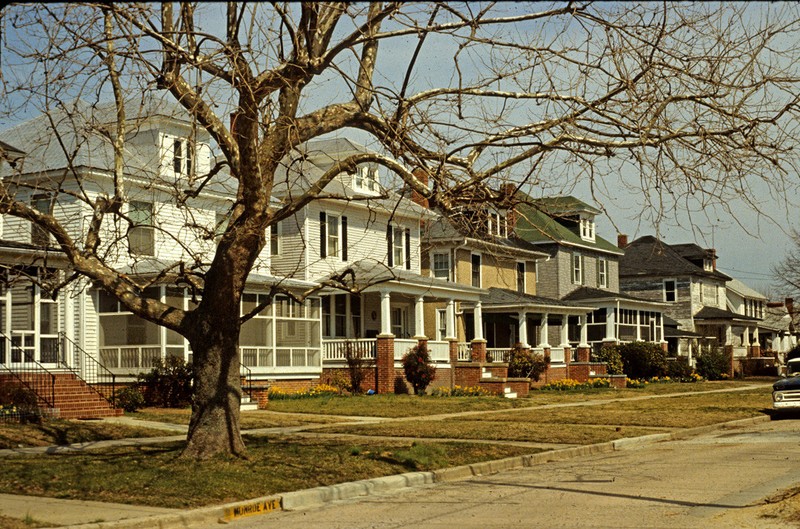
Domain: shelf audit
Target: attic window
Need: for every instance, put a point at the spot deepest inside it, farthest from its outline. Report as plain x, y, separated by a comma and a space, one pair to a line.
366, 179
708, 265
182, 156
587, 228
497, 224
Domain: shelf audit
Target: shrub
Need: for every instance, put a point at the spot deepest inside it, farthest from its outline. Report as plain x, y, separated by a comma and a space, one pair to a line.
522, 363
400, 387
19, 403
714, 364
168, 384
419, 372
679, 368
130, 399
357, 367
610, 355
643, 359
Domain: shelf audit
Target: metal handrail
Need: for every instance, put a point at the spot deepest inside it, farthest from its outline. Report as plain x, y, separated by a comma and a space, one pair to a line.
247, 374
101, 372
37, 369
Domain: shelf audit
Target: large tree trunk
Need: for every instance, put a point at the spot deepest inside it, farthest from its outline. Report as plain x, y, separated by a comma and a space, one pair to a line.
214, 427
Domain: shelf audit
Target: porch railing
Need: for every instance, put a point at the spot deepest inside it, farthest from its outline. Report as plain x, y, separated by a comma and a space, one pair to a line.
30, 374
336, 350
498, 354
247, 374
556, 355
439, 351
464, 352
131, 359
97, 376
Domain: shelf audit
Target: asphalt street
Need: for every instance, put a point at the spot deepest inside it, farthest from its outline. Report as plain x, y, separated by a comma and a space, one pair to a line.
712, 480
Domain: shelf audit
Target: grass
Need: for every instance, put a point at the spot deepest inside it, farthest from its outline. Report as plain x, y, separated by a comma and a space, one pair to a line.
581, 424
154, 476
395, 406
250, 420
63, 432
15, 523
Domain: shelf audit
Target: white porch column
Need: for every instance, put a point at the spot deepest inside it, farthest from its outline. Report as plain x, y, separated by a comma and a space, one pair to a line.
746, 337
584, 332
564, 331
728, 335
544, 330
523, 328
419, 318
477, 317
386, 312
756, 341
638, 325
450, 324
611, 335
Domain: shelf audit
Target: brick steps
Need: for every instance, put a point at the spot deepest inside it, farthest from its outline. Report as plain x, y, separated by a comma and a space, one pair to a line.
74, 399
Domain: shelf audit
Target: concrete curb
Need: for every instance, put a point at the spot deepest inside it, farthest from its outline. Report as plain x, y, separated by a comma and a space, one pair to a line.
309, 498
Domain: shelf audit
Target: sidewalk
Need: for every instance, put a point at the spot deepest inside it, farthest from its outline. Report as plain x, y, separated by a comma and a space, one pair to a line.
99, 515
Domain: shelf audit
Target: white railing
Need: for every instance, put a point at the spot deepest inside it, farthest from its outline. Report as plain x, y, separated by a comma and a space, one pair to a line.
498, 354
556, 355
464, 352
130, 357
402, 345
336, 350
439, 351
739, 351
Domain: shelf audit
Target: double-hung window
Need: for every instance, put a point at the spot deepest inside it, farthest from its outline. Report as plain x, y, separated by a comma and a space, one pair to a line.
670, 290
441, 265
476, 270
39, 235
275, 239
399, 246
182, 156
577, 269
521, 277
602, 272
141, 235
333, 235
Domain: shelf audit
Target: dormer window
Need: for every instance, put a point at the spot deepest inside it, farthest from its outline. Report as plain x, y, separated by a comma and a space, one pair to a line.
587, 228
182, 156
497, 224
366, 179
708, 265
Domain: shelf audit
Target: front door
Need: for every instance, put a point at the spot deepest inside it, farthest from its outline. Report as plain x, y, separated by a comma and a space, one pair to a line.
30, 321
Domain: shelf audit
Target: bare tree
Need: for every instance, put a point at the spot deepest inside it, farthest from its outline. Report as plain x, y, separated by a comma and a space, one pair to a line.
787, 272
692, 103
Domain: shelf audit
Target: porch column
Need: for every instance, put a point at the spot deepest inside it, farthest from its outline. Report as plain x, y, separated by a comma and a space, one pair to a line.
564, 331
584, 351
756, 344
450, 324
746, 337
544, 330
419, 319
639, 326
611, 335
478, 321
478, 343
386, 313
523, 329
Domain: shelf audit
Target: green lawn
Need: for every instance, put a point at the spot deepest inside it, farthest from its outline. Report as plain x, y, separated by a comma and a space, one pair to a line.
249, 419
152, 475
63, 432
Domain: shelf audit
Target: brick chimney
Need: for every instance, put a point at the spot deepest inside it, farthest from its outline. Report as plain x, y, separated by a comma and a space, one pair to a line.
789, 304
622, 240
507, 192
421, 175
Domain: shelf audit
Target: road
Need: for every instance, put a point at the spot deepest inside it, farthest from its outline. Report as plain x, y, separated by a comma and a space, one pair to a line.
705, 481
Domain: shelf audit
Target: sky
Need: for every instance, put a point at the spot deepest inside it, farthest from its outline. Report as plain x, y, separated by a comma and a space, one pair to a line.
748, 243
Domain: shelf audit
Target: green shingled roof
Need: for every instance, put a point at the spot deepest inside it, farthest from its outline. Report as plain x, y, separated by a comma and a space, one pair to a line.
542, 221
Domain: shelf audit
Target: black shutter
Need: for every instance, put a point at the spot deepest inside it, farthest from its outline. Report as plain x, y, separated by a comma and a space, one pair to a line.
389, 243
344, 238
408, 249
323, 235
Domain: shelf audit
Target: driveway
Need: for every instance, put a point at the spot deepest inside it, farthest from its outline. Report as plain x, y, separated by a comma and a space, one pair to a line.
705, 481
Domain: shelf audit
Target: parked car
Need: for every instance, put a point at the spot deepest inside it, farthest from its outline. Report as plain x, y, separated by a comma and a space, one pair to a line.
786, 393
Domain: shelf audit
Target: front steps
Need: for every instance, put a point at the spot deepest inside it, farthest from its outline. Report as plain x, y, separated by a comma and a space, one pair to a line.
247, 404
73, 398
507, 388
